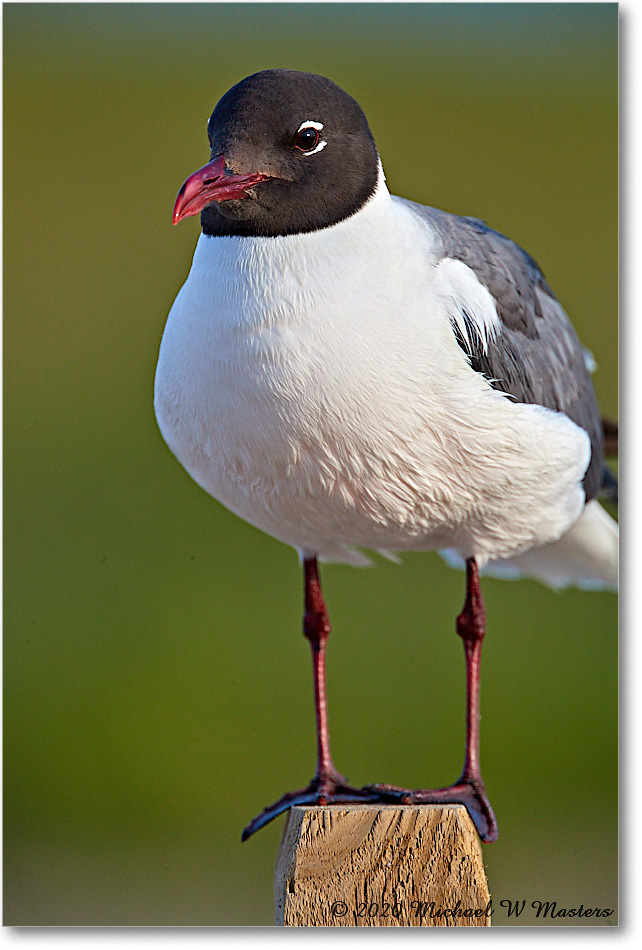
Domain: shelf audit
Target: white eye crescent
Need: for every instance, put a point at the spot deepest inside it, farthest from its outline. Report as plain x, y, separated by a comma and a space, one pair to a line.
310, 144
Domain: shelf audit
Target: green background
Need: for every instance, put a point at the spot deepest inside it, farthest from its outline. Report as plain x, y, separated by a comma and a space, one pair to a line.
157, 687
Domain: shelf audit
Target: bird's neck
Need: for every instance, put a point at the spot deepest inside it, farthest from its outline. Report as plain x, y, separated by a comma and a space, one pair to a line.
255, 280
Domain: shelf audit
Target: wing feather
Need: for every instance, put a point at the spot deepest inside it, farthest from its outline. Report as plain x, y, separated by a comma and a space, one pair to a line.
536, 356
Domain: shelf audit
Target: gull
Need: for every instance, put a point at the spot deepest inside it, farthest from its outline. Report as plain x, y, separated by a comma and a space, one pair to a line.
348, 370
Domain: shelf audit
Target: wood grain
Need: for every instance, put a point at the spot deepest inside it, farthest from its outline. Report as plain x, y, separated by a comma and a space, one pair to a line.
380, 866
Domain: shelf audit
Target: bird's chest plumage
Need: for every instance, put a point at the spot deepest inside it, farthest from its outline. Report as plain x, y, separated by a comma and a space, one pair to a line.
271, 369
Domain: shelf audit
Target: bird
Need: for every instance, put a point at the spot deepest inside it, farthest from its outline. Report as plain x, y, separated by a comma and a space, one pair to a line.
350, 371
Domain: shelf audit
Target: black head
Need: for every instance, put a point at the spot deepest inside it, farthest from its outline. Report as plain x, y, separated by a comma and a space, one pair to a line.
291, 152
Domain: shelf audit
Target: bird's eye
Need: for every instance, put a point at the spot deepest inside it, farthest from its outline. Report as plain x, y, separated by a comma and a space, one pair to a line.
307, 139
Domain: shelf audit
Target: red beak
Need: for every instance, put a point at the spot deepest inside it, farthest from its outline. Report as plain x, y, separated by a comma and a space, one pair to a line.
211, 183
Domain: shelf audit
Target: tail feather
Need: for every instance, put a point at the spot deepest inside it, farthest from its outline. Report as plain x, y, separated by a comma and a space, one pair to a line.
586, 556
611, 437
609, 487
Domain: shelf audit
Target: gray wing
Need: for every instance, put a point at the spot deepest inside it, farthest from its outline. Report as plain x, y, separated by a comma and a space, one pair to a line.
537, 357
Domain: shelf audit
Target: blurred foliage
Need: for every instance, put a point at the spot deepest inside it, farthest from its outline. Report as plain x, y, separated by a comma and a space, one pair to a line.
157, 689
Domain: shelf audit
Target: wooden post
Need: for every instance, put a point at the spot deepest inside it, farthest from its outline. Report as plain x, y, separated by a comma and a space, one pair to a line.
381, 866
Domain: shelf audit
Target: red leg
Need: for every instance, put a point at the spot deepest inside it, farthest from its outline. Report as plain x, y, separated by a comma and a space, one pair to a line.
327, 786
471, 627
469, 789
316, 629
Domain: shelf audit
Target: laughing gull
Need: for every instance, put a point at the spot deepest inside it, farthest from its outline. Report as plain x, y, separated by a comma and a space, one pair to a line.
347, 369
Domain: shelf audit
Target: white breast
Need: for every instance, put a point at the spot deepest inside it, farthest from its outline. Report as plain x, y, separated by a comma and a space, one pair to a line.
316, 391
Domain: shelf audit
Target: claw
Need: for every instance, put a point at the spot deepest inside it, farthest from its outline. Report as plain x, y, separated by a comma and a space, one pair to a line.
468, 792
473, 795
391, 793
326, 792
